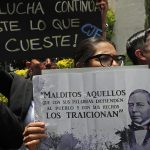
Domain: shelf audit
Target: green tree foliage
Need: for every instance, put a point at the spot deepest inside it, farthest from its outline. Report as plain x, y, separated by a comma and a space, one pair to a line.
3, 99
65, 63
128, 62
110, 19
147, 12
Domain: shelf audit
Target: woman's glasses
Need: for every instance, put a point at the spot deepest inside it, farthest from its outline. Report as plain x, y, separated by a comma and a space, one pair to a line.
106, 60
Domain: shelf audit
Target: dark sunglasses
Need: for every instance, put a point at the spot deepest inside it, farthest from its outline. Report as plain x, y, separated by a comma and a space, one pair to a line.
106, 60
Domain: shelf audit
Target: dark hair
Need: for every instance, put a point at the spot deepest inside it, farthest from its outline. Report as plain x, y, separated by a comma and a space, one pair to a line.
147, 33
136, 41
141, 91
86, 48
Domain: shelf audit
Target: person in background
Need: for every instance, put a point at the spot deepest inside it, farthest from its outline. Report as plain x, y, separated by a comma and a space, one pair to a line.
147, 45
138, 48
135, 48
12, 115
34, 68
92, 52
147, 34
47, 63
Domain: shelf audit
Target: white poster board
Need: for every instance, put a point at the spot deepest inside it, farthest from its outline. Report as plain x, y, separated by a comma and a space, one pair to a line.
88, 110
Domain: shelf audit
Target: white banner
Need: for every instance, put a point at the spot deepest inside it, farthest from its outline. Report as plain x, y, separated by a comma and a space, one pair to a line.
90, 109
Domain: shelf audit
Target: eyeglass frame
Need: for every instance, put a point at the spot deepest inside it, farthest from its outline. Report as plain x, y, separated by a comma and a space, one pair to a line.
113, 58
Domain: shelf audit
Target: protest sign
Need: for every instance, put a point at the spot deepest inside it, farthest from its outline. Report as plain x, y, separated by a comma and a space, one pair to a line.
46, 28
93, 109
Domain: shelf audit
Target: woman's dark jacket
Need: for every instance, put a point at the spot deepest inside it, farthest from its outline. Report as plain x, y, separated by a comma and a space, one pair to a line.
19, 93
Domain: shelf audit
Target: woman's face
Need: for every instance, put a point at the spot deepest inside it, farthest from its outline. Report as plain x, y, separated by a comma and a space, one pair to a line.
102, 48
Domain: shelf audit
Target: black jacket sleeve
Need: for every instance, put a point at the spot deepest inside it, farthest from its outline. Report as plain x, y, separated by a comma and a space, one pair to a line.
11, 129
19, 93
5, 83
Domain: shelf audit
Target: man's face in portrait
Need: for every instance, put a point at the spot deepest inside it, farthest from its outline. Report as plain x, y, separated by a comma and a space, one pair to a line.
139, 109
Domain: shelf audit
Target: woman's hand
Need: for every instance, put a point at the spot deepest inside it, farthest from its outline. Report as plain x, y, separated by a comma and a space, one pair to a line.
33, 132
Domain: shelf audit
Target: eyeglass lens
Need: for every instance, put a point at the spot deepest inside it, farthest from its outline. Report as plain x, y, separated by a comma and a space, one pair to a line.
107, 60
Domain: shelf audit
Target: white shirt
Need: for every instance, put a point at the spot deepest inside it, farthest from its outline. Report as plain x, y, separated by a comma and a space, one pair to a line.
30, 114
29, 118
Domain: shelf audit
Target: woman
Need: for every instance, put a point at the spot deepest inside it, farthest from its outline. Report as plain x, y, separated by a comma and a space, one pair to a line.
97, 52
92, 52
